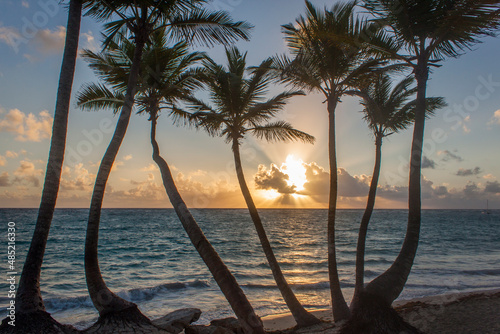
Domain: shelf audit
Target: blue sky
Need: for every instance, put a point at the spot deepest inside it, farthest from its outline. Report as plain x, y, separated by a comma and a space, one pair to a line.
461, 149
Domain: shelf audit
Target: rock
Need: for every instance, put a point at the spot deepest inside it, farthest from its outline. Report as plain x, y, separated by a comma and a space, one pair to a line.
230, 323
200, 329
176, 321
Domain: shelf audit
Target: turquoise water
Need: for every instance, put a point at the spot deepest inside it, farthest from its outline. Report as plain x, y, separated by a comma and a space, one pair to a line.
146, 257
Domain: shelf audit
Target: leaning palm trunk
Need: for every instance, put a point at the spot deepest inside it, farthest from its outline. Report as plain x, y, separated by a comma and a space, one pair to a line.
104, 300
29, 299
225, 280
363, 228
301, 316
390, 284
339, 306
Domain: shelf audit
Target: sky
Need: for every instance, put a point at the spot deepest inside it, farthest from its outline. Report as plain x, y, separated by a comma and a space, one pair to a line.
461, 156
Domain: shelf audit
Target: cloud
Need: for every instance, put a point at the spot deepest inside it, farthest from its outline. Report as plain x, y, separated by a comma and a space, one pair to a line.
317, 183
127, 157
428, 163
3, 161
495, 119
25, 4
492, 187
27, 173
50, 42
4, 179
82, 179
466, 120
447, 156
469, 172
27, 127
273, 178
10, 154
89, 41
149, 168
10, 36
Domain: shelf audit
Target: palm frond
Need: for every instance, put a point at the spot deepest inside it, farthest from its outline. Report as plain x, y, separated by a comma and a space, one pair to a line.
280, 131
203, 27
94, 97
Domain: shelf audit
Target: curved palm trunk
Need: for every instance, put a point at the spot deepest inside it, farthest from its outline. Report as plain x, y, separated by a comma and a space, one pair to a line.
103, 299
339, 306
29, 298
390, 284
363, 228
225, 280
301, 316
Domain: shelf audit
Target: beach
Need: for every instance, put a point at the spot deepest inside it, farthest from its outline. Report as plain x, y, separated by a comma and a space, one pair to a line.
458, 313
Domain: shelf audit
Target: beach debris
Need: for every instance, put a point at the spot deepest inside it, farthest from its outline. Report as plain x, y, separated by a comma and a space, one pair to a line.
175, 322
219, 326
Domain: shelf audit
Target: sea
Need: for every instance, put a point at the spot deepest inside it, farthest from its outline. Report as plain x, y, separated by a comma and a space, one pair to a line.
147, 258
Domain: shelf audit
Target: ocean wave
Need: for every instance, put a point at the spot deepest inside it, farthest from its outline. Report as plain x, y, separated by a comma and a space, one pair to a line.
135, 295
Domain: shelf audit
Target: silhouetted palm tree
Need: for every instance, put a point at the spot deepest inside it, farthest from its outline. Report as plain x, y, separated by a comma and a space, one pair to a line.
425, 32
30, 309
183, 19
168, 77
239, 108
388, 110
329, 57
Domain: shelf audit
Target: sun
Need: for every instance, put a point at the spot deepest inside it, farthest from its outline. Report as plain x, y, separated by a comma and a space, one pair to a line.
296, 172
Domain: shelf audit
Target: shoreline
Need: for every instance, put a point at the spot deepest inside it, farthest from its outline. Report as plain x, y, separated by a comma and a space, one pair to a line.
460, 312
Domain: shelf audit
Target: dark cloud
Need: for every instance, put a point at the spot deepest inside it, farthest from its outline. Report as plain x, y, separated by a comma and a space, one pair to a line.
447, 156
492, 187
469, 172
471, 189
273, 179
4, 179
428, 163
318, 180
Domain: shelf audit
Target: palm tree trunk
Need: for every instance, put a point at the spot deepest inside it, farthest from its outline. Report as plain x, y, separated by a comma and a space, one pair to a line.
339, 306
363, 228
225, 280
29, 298
103, 299
301, 316
390, 284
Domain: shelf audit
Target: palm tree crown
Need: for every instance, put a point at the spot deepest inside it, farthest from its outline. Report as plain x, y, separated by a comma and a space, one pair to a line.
167, 74
239, 103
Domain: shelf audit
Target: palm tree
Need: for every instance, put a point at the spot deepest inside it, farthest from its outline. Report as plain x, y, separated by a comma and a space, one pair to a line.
168, 77
387, 111
183, 19
239, 108
329, 59
31, 315
425, 32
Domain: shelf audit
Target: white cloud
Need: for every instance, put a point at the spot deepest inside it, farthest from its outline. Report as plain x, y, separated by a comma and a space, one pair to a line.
82, 179
150, 168
50, 42
27, 127
127, 157
495, 119
27, 173
3, 161
89, 41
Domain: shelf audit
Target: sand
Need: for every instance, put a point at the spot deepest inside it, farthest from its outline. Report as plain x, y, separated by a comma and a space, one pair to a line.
459, 313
